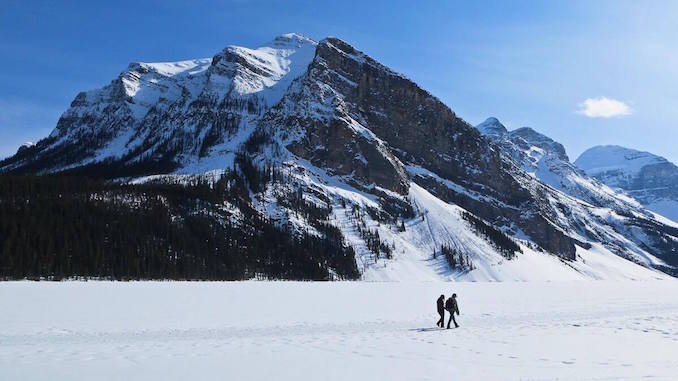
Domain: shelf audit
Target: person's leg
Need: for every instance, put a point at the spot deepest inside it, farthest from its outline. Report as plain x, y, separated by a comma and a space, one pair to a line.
449, 321
454, 320
441, 321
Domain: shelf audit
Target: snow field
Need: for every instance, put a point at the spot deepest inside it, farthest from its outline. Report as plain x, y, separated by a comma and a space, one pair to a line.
337, 331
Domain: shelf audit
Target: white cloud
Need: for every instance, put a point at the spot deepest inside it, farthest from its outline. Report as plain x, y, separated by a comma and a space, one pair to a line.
603, 107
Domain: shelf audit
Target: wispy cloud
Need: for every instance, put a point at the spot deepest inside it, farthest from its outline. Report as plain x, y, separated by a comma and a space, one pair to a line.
604, 107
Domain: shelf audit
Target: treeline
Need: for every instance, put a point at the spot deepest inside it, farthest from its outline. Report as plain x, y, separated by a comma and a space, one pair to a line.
55, 227
503, 243
374, 242
455, 258
371, 237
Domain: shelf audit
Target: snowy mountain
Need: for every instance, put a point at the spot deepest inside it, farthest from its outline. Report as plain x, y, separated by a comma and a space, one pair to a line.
650, 179
546, 160
321, 140
189, 115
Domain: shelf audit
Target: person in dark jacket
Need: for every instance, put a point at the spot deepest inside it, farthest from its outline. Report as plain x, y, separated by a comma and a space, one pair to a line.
441, 311
452, 307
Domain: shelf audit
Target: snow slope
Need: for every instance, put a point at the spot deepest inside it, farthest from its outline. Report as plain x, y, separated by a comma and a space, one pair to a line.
437, 223
337, 331
442, 224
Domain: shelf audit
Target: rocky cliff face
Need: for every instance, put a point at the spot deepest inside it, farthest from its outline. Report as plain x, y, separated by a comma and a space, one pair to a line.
650, 179
327, 136
364, 121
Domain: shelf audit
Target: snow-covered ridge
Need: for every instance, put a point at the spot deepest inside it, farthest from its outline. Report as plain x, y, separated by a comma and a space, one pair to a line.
171, 69
152, 103
274, 65
601, 159
651, 179
546, 160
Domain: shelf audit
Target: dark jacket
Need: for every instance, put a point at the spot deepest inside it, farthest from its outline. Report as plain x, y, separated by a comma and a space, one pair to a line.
441, 302
451, 305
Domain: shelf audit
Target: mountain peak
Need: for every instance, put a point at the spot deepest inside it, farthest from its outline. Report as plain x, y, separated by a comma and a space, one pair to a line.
651, 179
613, 157
531, 135
342, 46
537, 139
334, 48
295, 39
492, 127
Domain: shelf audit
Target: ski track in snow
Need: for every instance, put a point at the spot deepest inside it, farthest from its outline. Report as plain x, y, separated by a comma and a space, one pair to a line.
336, 331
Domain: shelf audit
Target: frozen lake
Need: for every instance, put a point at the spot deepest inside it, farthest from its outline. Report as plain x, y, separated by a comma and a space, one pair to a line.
337, 331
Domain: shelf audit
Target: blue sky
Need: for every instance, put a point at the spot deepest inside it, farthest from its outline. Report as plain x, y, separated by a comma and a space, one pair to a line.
529, 63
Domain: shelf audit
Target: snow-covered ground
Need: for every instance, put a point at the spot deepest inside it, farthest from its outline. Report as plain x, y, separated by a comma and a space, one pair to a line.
337, 331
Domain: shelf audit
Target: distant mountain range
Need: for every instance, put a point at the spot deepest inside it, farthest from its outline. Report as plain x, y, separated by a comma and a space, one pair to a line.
650, 179
311, 160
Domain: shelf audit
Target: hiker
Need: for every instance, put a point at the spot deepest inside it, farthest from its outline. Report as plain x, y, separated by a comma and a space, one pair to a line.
452, 307
441, 311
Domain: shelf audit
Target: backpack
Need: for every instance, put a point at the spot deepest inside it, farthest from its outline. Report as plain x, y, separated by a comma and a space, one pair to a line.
449, 304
